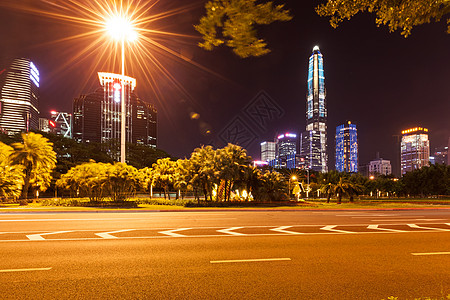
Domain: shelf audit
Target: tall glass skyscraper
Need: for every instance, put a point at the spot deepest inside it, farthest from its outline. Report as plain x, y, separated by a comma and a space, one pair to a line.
415, 149
314, 139
347, 148
19, 96
96, 116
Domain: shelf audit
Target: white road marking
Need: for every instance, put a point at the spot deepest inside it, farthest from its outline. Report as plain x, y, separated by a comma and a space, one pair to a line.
172, 232
25, 270
432, 253
282, 229
107, 235
373, 226
330, 228
38, 237
394, 220
430, 228
248, 260
385, 216
230, 231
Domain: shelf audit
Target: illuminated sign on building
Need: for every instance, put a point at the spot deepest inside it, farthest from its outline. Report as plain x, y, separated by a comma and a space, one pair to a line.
34, 74
415, 129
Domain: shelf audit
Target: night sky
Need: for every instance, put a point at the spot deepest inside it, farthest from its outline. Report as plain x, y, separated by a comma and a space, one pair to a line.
381, 81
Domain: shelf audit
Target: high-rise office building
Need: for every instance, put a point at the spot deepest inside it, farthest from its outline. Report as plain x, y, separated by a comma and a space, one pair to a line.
380, 166
415, 149
314, 139
268, 151
440, 155
19, 96
97, 116
286, 150
347, 148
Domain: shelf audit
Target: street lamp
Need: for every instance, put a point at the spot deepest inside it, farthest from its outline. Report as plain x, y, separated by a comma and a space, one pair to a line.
293, 177
120, 28
307, 189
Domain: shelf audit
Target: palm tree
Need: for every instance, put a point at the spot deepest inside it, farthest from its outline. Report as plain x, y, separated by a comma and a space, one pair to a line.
38, 158
230, 161
328, 189
164, 169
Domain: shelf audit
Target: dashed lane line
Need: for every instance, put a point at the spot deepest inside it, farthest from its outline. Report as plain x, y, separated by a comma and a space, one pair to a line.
25, 270
249, 260
108, 235
431, 253
38, 237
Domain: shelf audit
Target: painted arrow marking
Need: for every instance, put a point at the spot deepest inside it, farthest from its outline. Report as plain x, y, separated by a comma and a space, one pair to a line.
430, 228
173, 232
330, 228
373, 226
38, 237
107, 235
282, 229
230, 231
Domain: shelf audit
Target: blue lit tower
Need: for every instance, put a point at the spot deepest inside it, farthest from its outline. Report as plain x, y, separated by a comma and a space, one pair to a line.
314, 139
19, 96
347, 148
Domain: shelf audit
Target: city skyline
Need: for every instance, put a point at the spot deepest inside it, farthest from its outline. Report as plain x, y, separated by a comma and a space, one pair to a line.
385, 82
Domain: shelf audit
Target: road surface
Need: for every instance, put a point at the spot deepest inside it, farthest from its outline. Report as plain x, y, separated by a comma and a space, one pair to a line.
356, 254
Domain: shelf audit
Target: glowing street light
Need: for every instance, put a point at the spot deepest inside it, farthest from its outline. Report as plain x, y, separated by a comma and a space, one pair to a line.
121, 28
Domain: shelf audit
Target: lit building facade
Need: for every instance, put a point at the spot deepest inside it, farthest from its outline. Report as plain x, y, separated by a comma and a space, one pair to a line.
314, 139
97, 116
380, 166
414, 149
440, 155
347, 148
286, 150
19, 96
268, 151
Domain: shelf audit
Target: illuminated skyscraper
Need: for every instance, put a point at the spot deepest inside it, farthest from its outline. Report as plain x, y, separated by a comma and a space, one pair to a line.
268, 151
19, 96
415, 149
314, 139
96, 116
347, 148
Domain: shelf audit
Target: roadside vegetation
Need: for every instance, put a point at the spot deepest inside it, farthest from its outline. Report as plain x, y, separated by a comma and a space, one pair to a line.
66, 176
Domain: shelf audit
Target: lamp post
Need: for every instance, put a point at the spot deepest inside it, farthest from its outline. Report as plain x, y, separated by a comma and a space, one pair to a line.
307, 189
121, 29
289, 184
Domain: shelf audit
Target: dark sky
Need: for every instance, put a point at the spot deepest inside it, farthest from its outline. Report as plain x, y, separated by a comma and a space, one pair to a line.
381, 81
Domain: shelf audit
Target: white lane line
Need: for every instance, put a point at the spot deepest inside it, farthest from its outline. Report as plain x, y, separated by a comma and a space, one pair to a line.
430, 228
331, 228
230, 231
248, 260
373, 226
173, 232
432, 253
394, 220
38, 237
282, 229
25, 270
58, 220
107, 235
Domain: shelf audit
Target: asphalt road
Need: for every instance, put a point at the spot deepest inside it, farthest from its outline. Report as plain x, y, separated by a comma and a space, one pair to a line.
226, 255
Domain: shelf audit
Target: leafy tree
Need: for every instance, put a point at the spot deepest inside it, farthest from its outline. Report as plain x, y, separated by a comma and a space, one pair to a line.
403, 14
11, 176
121, 181
38, 158
230, 162
272, 188
164, 169
147, 179
328, 189
232, 22
250, 179
181, 177
201, 170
